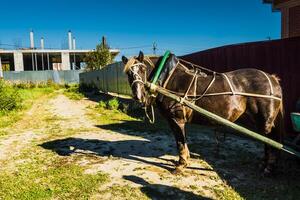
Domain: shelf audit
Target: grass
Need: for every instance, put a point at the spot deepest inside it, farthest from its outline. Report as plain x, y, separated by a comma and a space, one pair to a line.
48, 176
121, 192
28, 96
115, 113
30, 93
37, 173
73, 92
226, 193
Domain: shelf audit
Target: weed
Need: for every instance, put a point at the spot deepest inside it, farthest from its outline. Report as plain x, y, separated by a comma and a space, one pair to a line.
9, 97
226, 193
101, 104
124, 108
113, 104
73, 91
15, 98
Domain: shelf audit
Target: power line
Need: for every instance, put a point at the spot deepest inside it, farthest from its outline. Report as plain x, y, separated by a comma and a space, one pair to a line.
135, 47
11, 45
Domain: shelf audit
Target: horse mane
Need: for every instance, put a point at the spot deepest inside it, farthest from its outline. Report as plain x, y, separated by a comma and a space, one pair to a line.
132, 61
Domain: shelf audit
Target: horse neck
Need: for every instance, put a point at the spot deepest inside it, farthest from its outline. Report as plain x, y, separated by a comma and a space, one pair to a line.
150, 69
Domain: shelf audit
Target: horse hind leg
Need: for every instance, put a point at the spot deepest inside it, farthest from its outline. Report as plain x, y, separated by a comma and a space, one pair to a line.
273, 129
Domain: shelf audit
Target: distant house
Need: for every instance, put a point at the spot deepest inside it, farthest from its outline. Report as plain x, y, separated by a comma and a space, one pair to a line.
290, 16
44, 59
37, 59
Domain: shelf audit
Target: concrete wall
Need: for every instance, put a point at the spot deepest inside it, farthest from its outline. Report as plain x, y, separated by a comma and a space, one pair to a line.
65, 61
18, 61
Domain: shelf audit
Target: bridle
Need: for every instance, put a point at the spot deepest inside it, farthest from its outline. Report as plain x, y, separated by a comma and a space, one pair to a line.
133, 62
136, 75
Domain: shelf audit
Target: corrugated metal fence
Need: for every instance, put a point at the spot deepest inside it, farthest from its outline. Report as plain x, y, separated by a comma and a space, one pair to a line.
280, 57
66, 76
109, 79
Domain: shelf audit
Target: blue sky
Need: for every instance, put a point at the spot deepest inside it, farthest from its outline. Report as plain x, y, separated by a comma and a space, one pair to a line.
181, 26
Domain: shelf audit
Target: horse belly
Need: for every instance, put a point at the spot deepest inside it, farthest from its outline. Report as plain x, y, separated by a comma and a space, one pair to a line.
227, 107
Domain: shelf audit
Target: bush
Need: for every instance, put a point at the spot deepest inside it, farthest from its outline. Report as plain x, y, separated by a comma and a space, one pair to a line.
113, 104
10, 99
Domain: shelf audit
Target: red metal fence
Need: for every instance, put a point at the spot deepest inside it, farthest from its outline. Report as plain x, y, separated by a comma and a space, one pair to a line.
280, 57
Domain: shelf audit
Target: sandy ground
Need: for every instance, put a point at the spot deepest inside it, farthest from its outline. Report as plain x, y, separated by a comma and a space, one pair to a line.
126, 155
139, 159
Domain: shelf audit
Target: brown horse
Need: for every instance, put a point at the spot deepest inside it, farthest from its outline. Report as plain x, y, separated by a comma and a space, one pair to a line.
245, 95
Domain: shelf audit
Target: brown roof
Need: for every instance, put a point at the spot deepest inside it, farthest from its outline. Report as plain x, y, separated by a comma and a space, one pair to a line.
268, 1
279, 3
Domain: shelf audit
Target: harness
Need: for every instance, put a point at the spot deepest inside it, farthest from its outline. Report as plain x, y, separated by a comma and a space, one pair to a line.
133, 62
193, 83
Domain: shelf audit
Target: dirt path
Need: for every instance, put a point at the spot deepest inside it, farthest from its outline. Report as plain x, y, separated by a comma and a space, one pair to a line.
135, 159
23, 132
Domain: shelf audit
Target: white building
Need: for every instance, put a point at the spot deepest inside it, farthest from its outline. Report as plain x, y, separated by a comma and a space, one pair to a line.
33, 59
43, 59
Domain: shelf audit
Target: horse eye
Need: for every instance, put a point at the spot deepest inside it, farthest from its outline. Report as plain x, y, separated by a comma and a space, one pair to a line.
129, 73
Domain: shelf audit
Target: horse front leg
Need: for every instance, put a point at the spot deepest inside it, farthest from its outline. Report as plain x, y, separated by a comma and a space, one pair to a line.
178, 128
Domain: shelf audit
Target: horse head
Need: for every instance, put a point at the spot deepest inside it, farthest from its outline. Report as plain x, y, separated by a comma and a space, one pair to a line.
138, 70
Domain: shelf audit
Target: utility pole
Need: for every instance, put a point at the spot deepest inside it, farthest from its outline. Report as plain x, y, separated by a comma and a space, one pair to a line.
154, 48
104, 41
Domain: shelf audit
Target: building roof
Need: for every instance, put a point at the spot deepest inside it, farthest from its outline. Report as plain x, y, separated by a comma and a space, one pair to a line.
271, 2
268, 1
278, 4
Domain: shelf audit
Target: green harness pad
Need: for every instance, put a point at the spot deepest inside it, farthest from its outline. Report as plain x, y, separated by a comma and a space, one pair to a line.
160, 67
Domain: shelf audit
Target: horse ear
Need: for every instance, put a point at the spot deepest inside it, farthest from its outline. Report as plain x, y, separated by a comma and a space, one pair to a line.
124, 60
141, 56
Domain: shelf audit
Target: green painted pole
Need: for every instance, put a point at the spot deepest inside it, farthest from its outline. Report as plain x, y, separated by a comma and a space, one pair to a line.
154, 88
160, 67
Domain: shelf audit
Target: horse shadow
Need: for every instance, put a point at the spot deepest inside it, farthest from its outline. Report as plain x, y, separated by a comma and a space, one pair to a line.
236, 161
159, 191
129, 149
154, 144
234, 164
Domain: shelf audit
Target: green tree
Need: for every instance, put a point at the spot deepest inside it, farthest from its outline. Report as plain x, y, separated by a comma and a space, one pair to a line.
98, 58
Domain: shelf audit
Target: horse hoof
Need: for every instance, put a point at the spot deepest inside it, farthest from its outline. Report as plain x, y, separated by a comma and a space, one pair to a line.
181, 164
177, 171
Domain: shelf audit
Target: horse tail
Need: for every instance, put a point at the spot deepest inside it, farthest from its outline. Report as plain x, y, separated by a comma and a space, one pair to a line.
279, 123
